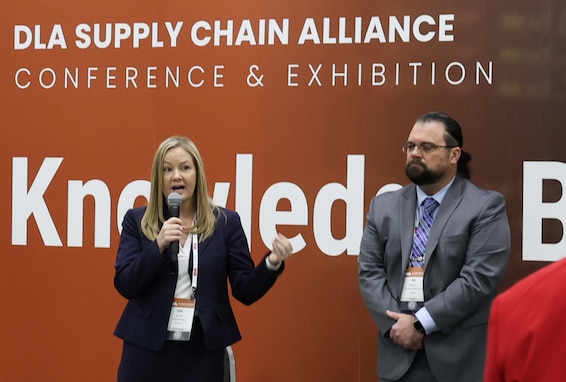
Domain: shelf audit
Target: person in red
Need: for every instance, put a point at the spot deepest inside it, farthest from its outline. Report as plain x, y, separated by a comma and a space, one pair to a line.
526, 331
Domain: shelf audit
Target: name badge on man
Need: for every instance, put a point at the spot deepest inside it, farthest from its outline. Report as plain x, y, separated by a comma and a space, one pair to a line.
181, 319
413, 292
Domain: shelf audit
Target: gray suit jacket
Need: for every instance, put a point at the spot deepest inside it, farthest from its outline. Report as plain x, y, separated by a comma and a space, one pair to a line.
466, 257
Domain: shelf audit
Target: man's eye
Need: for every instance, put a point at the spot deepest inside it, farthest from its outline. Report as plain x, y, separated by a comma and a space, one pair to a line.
410, 146
427, 146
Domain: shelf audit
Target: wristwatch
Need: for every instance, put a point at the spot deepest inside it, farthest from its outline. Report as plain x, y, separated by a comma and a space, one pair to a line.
418, 325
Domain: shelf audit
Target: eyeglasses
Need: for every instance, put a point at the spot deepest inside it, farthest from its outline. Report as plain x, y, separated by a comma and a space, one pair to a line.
425, 147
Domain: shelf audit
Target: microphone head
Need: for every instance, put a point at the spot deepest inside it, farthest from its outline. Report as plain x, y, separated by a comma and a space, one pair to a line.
174, 199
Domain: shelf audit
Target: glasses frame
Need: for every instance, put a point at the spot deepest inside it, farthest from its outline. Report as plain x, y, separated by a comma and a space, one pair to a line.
424, 148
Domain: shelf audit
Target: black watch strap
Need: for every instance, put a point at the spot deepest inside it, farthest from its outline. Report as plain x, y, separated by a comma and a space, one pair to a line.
418, 325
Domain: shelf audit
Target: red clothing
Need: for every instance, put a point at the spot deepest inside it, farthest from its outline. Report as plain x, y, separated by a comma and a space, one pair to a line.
527, 329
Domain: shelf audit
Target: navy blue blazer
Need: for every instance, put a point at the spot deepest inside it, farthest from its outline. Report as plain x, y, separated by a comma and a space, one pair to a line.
146, 278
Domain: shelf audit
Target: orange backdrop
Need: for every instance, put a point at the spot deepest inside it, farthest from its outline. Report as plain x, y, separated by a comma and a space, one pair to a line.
338, 85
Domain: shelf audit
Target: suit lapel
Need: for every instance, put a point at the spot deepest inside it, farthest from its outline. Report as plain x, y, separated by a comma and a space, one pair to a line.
203, 244
451, 200
407, 211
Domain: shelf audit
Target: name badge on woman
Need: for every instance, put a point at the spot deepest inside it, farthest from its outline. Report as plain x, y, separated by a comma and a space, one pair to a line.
181, 319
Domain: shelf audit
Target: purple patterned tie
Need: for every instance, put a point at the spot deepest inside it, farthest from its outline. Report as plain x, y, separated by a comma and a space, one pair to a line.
421, 233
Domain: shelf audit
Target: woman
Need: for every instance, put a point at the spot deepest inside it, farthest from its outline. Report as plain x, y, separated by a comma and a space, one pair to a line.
178, 318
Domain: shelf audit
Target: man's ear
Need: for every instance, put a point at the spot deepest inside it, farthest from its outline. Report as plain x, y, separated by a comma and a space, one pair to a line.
455, 154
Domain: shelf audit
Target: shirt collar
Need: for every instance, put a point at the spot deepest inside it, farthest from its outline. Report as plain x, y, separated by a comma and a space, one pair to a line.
421, 195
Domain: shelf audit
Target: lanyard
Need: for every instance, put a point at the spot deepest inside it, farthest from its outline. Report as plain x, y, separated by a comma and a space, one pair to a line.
418, 214
194, 238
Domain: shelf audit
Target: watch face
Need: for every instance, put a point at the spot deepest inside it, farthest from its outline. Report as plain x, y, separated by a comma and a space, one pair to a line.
418, 325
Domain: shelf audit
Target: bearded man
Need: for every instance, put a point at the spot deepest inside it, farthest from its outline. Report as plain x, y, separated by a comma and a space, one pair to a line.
431, 258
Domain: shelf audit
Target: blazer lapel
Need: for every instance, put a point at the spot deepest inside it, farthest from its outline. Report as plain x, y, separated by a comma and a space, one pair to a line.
451, 200
203, 244
407, 211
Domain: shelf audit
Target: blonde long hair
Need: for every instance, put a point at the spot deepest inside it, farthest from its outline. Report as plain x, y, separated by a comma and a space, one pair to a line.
205, 207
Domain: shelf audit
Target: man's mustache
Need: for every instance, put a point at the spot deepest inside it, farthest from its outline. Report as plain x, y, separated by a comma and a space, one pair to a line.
416, 162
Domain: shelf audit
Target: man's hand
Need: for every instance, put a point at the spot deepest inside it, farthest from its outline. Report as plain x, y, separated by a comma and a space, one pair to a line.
403, 332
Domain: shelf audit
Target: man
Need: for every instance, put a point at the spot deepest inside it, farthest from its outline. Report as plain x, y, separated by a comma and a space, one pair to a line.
428, 275
526, 330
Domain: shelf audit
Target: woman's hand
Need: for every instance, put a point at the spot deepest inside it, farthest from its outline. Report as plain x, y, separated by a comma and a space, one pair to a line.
172, 230
282, 250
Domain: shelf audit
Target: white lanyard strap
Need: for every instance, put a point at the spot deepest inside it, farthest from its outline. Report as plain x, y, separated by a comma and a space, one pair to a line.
195, 263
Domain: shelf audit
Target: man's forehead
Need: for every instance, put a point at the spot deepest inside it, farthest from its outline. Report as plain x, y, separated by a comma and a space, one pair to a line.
428, 130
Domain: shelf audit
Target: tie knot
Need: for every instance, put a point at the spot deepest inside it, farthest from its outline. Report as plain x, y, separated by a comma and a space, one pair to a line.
430, 205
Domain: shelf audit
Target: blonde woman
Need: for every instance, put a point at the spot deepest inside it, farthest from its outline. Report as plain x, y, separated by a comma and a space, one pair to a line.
178, 317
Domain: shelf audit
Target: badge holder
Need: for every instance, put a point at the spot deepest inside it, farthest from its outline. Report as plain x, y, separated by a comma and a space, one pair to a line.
183, 309
412, 295
181, 319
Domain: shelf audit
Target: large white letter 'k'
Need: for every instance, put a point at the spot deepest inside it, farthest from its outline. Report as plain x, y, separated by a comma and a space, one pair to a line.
27, 202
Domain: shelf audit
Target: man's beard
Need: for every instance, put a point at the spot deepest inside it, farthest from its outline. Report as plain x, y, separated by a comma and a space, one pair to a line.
420, 174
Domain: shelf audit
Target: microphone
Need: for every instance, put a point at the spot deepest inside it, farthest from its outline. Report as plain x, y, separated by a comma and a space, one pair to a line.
174, 201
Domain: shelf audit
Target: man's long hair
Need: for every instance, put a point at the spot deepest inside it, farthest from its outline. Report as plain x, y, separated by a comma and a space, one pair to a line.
452, 137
